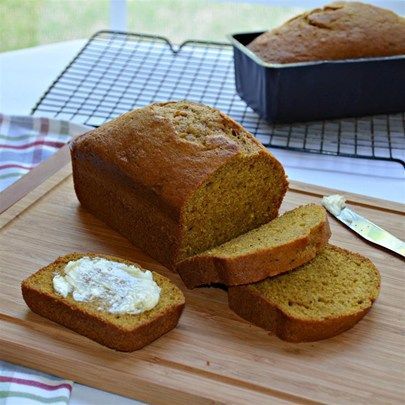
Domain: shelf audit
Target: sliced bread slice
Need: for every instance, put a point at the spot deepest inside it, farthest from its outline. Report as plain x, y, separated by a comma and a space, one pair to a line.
124, 332
318, 300
276, 247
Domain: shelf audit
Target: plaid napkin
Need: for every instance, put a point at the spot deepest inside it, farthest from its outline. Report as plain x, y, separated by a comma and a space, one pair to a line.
20, 385
26, 141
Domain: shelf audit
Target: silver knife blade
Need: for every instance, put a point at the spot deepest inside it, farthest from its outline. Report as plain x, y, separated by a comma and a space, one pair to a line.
368, 230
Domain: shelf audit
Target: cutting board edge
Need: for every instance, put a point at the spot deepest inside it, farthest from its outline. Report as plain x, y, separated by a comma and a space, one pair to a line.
13, 352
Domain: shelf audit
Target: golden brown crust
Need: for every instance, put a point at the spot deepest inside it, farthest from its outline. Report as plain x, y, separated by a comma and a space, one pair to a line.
252, 306
137, 174
119, 206
340, 30
143, 147
65, 312
255, 266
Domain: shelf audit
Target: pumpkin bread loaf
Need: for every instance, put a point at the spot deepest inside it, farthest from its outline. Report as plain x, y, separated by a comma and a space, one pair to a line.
124, 332
340, 30
320, 299
276, 247
176, 178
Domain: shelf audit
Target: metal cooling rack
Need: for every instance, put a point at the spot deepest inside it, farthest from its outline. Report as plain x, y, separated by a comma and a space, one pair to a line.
116, 72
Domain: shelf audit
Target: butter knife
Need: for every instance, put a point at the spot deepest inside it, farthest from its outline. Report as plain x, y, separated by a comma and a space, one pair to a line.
336, 205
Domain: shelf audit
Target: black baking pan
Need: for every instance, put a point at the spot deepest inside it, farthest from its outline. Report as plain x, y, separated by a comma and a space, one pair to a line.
318, 90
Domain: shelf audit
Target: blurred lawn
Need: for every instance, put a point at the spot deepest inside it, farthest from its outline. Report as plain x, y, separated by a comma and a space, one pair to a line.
27, 23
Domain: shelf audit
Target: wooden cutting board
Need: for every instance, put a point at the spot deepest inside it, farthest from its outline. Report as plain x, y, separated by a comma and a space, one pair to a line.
212, 355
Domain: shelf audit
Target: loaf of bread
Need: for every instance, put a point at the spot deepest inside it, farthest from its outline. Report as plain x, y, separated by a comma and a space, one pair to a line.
320, 299
124, 332
340, 30
276, 247
177, 178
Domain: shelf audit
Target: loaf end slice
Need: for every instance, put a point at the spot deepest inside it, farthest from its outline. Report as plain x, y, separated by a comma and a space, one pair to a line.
123, 332
317, 301
280, 245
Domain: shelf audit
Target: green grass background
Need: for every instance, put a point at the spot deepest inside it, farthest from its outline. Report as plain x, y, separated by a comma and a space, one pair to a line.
27, 23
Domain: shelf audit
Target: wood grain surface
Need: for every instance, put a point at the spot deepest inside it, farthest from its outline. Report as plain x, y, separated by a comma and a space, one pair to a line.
213, 355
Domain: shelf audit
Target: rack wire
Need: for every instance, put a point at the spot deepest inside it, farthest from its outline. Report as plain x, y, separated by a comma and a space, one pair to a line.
117, 71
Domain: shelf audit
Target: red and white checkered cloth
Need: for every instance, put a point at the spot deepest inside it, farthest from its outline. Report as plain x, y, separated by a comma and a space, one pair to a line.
26, 141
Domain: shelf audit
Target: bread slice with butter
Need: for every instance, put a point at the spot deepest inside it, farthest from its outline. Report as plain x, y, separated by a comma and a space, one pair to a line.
281, 245
118, 324
319, 300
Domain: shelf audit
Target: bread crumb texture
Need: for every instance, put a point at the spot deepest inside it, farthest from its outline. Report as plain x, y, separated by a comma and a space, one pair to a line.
238, 198
274, 248
335, 283
282, 230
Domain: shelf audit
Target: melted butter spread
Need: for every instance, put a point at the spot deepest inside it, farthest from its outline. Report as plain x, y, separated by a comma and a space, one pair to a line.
118, 288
